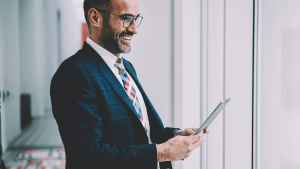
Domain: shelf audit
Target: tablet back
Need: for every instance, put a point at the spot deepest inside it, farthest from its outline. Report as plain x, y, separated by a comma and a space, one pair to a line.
213, 115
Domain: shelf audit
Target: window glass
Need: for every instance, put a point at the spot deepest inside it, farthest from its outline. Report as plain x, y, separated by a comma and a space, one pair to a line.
279, 84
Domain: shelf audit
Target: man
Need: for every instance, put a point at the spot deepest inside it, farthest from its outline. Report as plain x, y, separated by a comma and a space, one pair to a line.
104, 116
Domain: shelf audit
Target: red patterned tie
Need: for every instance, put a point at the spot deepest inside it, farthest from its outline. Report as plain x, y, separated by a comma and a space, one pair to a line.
128, 86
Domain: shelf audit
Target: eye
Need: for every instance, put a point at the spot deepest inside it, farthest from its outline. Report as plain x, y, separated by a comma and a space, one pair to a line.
127, 18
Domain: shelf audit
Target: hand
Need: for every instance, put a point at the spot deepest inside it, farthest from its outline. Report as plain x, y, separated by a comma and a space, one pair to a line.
179, 147
190, 131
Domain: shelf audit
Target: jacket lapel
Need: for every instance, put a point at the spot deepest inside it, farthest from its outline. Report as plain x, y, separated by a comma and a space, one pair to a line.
157, 128
108, 75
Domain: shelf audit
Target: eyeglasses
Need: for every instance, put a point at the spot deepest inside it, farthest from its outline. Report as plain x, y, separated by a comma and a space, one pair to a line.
127, 19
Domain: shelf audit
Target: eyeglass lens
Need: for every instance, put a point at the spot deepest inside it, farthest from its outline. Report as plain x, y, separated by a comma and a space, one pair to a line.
129, 20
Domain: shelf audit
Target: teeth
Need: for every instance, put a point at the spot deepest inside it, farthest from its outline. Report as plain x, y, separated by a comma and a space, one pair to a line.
127, 38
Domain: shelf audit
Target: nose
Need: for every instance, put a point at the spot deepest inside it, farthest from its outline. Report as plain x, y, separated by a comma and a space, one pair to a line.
133, 28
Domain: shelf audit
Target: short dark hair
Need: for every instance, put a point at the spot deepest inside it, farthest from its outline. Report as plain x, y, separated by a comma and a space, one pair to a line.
102, 5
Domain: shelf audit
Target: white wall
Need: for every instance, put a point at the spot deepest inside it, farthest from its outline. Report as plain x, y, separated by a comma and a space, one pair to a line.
270, 106
1, 67
11, 78
151, 55
70, 29
39, 46
238, 84
187, 71
32, 51
278, 92
215, 80
50, 7
227, 73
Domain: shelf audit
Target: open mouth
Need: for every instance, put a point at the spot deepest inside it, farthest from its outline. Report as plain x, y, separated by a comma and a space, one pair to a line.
126, 39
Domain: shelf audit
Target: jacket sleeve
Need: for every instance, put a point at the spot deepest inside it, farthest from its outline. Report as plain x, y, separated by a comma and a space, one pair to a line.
169, 132
79, 118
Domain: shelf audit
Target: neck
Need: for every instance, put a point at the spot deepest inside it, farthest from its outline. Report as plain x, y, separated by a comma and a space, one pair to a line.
96, 40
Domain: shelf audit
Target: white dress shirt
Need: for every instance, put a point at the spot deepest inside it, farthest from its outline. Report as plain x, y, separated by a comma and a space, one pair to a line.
110, 59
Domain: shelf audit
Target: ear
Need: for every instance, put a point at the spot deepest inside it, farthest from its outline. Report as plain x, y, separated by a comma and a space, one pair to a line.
95, 18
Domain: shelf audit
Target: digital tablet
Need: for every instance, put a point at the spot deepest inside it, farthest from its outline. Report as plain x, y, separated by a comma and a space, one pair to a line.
213, 115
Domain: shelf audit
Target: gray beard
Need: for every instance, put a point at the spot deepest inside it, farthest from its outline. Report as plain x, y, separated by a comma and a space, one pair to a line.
109, 41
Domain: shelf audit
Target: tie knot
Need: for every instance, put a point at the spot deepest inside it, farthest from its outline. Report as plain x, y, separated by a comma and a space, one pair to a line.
119, 60
119, 64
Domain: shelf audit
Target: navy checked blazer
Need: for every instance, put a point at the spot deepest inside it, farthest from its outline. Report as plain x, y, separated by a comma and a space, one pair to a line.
96, 119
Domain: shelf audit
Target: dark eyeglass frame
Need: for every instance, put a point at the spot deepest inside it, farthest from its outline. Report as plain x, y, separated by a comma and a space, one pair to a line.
122, 17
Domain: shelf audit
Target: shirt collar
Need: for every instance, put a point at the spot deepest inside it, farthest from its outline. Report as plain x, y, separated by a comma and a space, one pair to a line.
109, 58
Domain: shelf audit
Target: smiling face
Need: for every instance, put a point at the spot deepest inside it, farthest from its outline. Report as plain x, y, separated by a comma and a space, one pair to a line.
113, 35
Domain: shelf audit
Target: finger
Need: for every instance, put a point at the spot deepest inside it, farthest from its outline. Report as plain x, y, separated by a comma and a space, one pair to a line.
198, 143
197, 137
206, 130
189, 132
194, 129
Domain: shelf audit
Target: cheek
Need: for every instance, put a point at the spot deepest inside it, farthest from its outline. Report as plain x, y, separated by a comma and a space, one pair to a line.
120, 32
118, 35
117, 28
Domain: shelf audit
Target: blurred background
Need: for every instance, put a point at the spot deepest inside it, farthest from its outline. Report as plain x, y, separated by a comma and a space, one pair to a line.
192, 53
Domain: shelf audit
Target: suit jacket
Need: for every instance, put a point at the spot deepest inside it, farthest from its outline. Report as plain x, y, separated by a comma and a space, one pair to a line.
96, 119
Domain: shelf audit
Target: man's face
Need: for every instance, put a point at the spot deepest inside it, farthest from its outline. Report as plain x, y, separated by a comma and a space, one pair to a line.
114, 36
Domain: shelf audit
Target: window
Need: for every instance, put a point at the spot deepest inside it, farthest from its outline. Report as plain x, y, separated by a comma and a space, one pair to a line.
277, 85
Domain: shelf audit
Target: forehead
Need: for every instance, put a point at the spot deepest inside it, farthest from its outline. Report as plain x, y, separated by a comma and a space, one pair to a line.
125, 7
